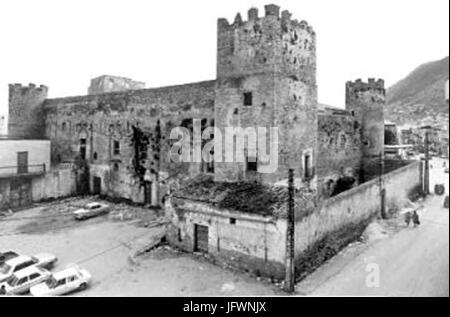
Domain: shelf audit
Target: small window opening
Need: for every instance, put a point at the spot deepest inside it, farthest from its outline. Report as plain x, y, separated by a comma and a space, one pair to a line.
116, 147
248, 99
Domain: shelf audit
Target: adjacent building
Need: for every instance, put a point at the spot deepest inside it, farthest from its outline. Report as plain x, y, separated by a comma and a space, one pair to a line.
21, 163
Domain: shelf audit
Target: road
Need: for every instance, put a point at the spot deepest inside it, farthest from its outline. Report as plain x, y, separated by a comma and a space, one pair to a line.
410, 261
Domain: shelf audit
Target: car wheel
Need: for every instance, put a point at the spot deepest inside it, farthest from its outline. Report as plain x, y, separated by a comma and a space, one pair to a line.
83, 286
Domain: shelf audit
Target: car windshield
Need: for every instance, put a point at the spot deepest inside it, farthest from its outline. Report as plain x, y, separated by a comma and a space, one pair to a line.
12, 280
4, 268
51, 282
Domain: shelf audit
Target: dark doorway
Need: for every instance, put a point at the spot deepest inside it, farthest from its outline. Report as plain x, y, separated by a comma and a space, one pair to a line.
148, 192
201, 238
20, 193
97, 185
22, 162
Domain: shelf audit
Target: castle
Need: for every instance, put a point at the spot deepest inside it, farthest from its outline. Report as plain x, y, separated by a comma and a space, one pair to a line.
117, 140
266, 77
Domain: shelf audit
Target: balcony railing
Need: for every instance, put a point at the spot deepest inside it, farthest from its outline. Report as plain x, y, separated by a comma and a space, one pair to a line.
23, 170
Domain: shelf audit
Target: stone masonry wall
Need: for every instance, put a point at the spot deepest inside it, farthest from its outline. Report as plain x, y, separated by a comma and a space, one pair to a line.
107, 124
26, 119
339, 150
366, 101
274, 59
104, 84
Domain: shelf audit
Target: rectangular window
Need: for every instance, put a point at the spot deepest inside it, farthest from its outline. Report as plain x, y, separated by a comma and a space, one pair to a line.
116, 148
248, 99
252, 164
22, 162
308, 172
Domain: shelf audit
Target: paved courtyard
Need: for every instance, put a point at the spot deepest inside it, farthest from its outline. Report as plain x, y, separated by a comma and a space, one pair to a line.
103, 246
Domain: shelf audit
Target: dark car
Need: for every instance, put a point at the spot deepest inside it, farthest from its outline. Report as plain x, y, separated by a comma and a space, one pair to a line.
5, 256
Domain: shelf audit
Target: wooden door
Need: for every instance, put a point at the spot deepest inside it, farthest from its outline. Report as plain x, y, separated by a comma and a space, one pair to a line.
201, 238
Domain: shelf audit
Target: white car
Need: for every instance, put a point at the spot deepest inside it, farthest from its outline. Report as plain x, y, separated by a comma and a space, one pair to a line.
63, 282
21, 281
91, 210
8, 268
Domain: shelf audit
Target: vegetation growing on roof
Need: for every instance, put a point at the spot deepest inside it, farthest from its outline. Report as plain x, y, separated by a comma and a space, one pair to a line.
244, 197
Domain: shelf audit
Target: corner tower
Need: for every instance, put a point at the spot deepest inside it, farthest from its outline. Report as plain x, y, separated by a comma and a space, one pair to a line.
366, 102
266, 77
26, 118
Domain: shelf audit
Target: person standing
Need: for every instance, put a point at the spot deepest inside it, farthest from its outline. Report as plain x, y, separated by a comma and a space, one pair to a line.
415, 218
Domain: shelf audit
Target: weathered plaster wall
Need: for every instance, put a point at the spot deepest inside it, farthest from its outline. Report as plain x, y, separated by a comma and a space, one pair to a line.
60, 182
343, 214
252, 243
38, 155
400, 182
4, 193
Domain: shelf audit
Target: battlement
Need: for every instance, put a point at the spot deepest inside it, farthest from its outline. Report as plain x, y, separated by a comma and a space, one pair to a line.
271, 10
27, 89
359, 85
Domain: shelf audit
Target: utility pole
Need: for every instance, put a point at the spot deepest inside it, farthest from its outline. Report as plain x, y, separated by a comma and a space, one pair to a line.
290, 237
382, 189
427, 164
426, 181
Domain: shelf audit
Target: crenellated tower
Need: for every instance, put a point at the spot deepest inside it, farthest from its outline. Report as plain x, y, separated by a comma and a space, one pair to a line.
366, 102
266, 77
26, 118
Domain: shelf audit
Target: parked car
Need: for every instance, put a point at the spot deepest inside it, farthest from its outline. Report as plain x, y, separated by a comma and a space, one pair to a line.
91, 210
8, 255
10, 267
63, 282
21, 281
446, 170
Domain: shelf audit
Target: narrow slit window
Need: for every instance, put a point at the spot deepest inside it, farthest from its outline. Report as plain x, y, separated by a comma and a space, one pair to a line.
248, 99
116, 148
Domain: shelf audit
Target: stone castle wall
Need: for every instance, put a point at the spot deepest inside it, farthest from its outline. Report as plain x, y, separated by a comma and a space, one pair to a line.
273, 59
105, 120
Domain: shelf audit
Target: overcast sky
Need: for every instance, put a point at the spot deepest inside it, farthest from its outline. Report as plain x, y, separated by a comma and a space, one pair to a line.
65, 43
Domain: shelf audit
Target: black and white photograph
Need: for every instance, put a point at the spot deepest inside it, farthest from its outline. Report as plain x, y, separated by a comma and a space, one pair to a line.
240, 150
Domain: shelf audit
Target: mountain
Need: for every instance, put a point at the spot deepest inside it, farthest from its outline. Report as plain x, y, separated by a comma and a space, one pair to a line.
420, 97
